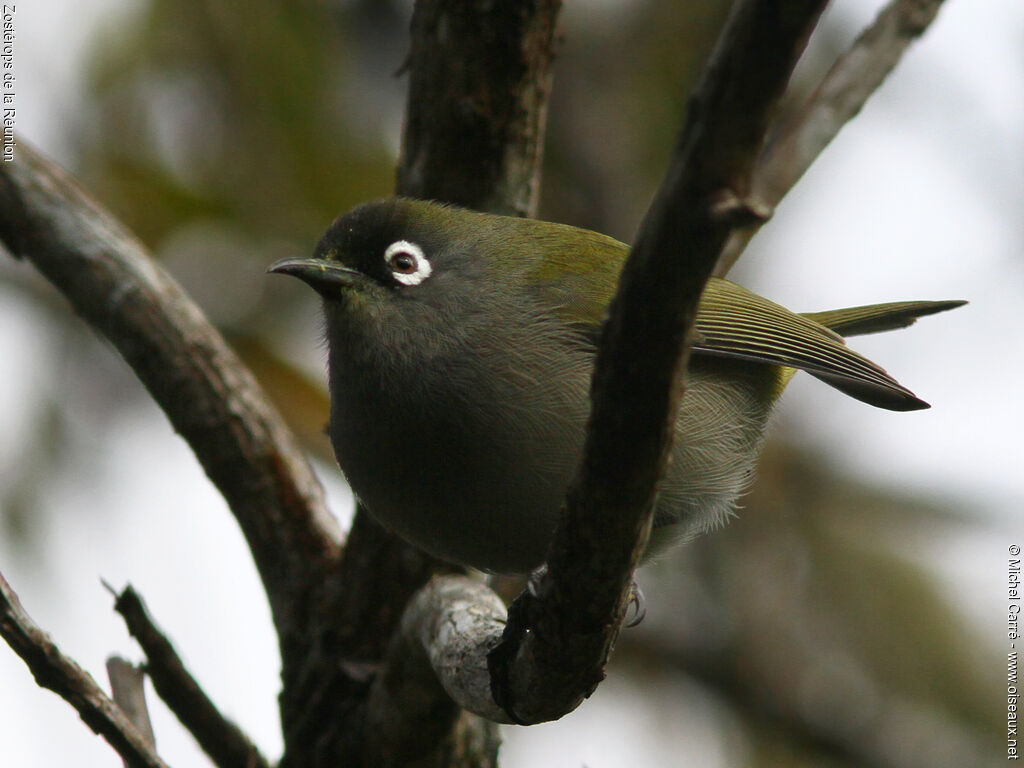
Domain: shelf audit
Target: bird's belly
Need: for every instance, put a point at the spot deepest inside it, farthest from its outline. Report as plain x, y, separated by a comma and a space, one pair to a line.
457, 481
719, 432
474, 488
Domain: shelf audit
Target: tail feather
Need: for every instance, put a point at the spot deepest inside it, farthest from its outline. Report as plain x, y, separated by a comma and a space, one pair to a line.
875, 318
733, 322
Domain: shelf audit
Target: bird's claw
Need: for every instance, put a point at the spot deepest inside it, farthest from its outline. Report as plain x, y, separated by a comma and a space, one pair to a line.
637, 603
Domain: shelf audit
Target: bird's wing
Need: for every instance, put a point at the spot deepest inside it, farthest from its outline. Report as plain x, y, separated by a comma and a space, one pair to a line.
734, 322
731, 321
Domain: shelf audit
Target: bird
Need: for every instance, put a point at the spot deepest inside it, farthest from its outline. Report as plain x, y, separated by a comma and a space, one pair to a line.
461, 346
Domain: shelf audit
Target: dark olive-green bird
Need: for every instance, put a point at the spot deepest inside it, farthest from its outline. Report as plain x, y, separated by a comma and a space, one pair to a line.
461, 347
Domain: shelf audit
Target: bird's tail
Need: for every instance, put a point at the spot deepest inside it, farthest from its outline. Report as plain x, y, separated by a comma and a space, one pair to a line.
874, 318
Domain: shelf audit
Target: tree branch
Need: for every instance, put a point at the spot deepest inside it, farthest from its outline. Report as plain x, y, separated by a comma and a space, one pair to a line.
480, 77
561, 632
839, 97
206, 392
53, 670
437, 663
224, 742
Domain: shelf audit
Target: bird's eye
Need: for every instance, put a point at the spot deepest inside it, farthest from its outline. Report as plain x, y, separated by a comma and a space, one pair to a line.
407, 263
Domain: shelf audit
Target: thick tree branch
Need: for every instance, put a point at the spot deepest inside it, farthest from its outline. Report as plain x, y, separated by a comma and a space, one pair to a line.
53, 670
208, 395
437, 663
222, 740
480, 76
561, 632
839, 97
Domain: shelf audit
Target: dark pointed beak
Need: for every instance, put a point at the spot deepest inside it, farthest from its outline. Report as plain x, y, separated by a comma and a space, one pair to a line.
319, 274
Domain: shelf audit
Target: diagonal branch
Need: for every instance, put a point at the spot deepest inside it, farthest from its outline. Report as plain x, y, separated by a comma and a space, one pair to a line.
839, 97
561, 632
224, 742
208, 395
53, 670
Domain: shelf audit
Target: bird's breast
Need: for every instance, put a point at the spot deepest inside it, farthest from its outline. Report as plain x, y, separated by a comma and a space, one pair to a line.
466, 453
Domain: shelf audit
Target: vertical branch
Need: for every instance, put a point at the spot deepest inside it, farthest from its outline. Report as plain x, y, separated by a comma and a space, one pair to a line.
127, 687
479, 80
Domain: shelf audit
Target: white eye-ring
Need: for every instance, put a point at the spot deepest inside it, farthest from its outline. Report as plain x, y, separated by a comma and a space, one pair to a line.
407, 263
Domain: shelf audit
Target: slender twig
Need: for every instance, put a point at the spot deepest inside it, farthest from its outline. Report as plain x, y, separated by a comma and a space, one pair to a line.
208, 395
839, 97
561, 632
53, 670
224, 742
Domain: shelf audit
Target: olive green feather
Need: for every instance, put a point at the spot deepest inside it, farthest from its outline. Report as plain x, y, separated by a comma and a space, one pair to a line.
574, 271
731, 321
874, 318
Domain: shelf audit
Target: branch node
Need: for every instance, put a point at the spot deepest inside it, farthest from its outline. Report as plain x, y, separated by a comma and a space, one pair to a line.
728, 209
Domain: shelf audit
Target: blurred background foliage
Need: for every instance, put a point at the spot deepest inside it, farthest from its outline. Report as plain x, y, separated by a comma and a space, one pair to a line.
228, 134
